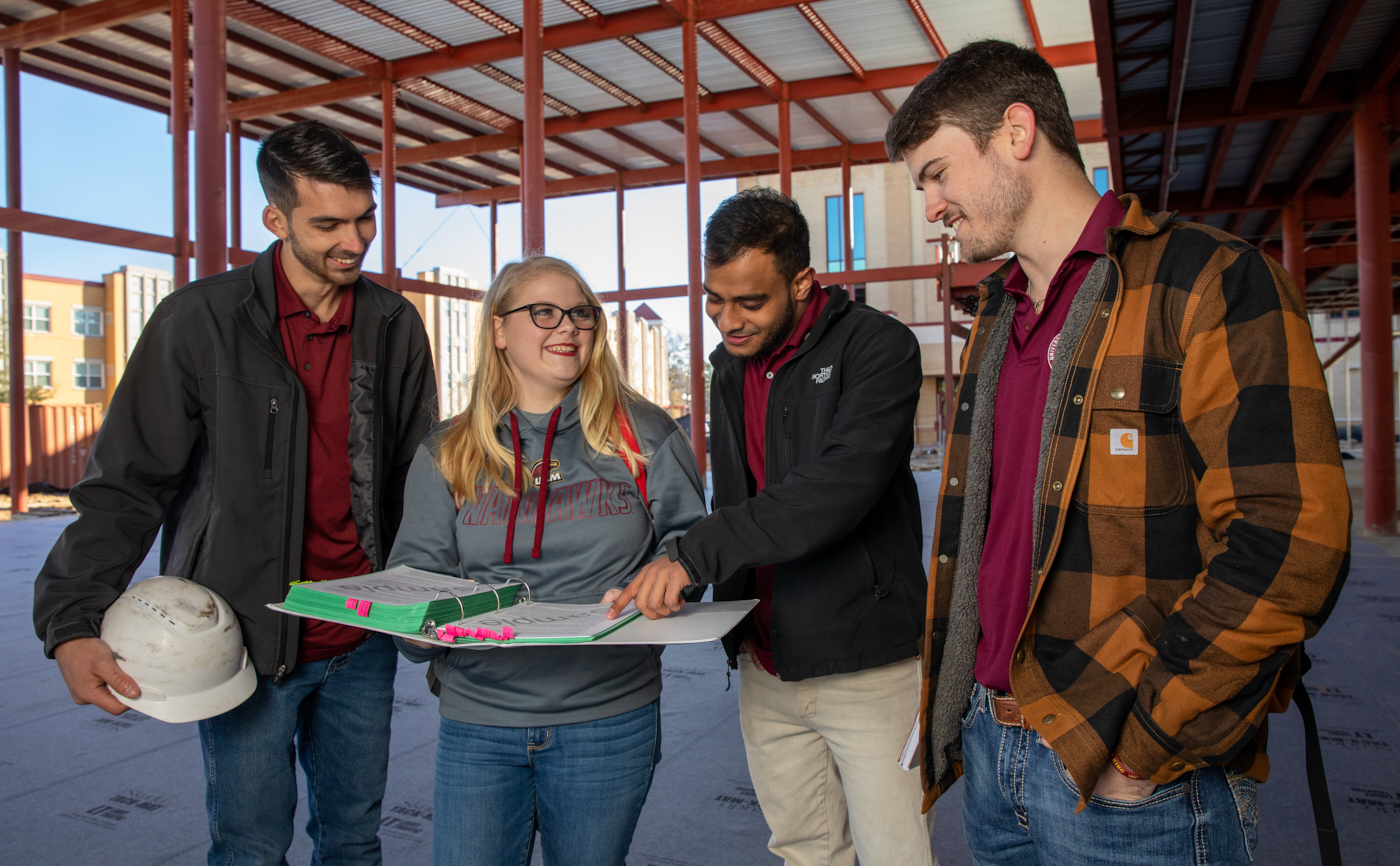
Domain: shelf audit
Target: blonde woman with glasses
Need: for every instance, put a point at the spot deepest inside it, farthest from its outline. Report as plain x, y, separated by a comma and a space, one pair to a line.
561, 475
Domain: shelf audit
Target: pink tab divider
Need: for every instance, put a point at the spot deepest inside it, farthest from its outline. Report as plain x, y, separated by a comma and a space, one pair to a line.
351, 603
363, 609
507, 633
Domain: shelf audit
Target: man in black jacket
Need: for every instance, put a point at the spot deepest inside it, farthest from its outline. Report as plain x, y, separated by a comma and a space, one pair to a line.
817, 516
265, 425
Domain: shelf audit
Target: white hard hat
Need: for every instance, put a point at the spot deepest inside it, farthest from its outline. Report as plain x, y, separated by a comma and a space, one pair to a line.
181, 643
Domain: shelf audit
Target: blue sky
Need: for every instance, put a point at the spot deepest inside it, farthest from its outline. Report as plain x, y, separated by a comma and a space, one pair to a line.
94, 159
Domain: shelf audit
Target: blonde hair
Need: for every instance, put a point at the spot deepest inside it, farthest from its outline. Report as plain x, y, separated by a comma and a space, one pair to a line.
470, 452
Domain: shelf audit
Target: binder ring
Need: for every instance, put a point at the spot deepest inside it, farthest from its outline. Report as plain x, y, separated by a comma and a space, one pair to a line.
459, 602
528, 597
484, 586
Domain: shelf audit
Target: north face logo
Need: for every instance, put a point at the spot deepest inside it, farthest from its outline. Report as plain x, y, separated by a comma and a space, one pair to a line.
822, 376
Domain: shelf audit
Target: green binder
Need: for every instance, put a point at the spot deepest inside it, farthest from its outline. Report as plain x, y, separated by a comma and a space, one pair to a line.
400, 600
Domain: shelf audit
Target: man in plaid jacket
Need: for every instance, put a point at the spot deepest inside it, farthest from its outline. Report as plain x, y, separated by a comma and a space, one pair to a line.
1143, 511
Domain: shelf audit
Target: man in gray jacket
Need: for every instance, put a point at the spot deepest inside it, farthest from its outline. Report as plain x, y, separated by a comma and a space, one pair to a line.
265, 426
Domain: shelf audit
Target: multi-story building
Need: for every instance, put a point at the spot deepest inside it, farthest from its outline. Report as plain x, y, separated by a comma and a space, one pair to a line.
452, 324
888, 229
647, 368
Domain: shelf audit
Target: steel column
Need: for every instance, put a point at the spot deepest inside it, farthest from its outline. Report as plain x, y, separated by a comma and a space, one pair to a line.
180, 133
493, 240
210, 122
945, 254
847, 241
19, 453
235, 184
1293, 246
622, 329
532, 144
388, 217
1373, 265
785, 144
692, 213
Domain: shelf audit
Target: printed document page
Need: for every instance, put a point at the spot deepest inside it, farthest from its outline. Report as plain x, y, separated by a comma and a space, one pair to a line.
401, 585
543, 621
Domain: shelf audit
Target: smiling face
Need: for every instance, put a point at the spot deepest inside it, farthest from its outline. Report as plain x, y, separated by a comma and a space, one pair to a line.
982, 197
752, 305
328, 231
544, 363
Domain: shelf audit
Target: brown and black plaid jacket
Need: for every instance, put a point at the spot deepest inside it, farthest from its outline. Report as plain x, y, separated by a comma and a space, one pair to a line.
1171, 587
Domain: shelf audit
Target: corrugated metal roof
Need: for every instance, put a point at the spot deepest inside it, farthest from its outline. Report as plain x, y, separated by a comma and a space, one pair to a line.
1296, 149
959, 22
1215, 41
1372, 25
627, 70
786, 44
1082, 90
858, 115
1295, 25
350, 26
442, 19
1063, 22
1244, 148
880, 33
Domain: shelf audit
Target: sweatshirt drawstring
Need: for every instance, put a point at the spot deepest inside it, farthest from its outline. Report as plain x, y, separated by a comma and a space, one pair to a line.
515, 502
543, 484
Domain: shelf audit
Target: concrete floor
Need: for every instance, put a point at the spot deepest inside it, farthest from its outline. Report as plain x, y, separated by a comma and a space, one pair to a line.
78, 786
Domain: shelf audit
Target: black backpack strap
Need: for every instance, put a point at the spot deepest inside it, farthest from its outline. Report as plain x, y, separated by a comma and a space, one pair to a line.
1328, 843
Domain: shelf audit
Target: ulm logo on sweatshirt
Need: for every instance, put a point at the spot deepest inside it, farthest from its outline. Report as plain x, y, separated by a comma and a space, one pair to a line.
554, 474
822, 376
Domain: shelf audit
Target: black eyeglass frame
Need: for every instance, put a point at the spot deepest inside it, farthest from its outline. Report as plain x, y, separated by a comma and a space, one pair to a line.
597, 315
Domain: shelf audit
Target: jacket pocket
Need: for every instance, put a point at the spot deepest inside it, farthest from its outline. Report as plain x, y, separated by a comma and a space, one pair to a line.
1135, 462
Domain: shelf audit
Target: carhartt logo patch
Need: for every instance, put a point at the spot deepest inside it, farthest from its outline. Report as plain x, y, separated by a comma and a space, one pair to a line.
1122, 441
822, 376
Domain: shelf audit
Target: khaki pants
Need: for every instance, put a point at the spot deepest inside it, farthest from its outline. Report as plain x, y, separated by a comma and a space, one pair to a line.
823, 755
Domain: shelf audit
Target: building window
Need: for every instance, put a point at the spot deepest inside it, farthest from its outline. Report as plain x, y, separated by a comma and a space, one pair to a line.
1101, 180
38, 374
87, 321
835, 249
87, 374
38, 318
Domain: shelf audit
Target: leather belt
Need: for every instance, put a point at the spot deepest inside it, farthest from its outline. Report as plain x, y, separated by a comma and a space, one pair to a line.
1008, 713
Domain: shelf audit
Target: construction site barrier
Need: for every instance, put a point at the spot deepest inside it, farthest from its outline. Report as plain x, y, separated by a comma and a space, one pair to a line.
59, 440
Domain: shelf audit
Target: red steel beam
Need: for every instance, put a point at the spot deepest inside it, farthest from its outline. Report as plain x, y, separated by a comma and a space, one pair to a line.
1374, 284
448, 149
921, 16
754, 127
1034, 25
649, 54
707, 143
734, 51
1279, 134
828, 36
884, 101
210, 120
235, 184
785, 146
76, 21
14, 177
1101, 14
587, 154
396, 24
388, 216
642, 146
1145, 113
823, 122
180, 133
532, 178
1327, 39
692, 213
1294, 243
767, 163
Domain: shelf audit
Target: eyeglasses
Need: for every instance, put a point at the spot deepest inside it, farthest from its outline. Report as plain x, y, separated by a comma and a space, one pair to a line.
548, 316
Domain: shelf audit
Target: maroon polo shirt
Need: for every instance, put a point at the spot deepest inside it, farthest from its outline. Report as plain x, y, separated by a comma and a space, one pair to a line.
758, 381
330, 546
1004, 576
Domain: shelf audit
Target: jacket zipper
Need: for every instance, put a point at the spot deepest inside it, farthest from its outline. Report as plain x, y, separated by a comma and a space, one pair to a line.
271, 431
286, 553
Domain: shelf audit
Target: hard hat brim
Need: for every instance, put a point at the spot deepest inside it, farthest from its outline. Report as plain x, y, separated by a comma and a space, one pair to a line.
197, 706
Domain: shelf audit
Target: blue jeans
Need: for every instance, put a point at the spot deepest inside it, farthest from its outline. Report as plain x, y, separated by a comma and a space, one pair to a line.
1019, 809
333, 714
581, 785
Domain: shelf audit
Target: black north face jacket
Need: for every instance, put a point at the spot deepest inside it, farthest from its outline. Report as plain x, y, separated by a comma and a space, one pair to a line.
839, 512
206, 439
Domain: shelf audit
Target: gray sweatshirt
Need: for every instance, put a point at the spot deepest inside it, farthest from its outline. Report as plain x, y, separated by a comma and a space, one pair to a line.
597, 535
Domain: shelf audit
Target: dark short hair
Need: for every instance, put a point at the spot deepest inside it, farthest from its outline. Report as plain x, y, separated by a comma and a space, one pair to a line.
759, 218
313, 150
972, 88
